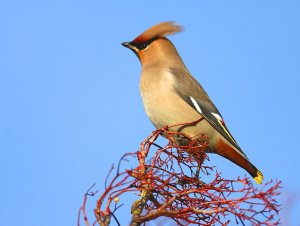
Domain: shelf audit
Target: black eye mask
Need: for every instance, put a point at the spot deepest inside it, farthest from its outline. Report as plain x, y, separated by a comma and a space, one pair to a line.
142, 45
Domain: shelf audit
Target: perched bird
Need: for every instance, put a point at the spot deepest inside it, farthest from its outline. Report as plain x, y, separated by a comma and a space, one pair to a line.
171, 95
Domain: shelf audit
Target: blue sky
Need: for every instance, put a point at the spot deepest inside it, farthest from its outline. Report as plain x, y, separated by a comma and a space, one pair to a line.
70, 103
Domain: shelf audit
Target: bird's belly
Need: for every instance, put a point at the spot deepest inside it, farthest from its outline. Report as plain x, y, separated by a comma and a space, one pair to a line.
172, 110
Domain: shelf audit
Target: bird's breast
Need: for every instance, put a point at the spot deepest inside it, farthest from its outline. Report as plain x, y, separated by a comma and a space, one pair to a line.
161, 101
165, 107
156, 88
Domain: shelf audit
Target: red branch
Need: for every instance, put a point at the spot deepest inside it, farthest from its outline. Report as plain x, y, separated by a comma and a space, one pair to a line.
173, 182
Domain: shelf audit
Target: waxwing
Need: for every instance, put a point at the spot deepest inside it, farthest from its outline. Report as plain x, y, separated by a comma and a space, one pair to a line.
171, 95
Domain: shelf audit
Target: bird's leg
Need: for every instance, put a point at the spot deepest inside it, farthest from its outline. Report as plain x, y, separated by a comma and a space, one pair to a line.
198, 171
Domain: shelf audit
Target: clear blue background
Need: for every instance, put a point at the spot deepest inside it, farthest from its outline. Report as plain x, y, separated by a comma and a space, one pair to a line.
70, 103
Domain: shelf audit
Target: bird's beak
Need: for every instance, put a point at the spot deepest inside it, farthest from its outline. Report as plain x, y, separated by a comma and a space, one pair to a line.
130, 46
133, 48
127, 45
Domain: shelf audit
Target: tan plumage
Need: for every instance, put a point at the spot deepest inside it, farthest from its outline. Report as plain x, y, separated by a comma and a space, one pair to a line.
171, 95
160, 30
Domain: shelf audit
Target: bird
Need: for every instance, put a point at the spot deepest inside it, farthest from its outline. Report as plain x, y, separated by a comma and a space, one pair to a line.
171, 95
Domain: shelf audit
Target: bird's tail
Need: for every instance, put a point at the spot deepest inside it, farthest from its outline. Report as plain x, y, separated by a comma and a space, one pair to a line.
228, 152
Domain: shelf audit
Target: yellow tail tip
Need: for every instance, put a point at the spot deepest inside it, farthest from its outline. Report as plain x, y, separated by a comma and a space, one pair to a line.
259, 178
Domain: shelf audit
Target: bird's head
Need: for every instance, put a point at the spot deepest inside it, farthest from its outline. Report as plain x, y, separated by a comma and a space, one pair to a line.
152, 45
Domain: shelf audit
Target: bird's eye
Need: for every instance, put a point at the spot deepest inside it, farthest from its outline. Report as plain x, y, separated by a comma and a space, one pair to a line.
142, 45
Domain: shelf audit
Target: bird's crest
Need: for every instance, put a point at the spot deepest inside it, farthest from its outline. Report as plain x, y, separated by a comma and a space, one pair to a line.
157, 31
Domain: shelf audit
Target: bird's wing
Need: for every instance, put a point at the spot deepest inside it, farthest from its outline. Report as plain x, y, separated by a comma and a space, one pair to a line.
195, 96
